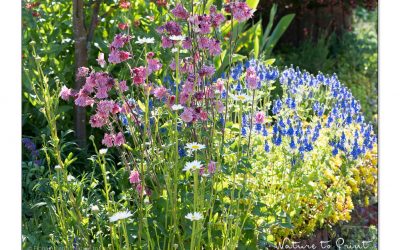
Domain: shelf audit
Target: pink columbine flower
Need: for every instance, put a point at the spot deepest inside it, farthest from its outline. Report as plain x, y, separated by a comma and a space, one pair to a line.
82, 72
122, 86
122, 26
203, 42
220, 107
187, 43
214, 47
160, 92
119, 41
139, 189
203, 115
65, 93
102, 92
116, 109
108, 140
251, 78
119, 139
180, 12
212, 166
240, 11
153, 65
97, 121
100, 60
117, 56
124, 4
187, 115
139, 75
207, 71
166, 42
183, 97
83, 99
216, 18
220, 85
104, 107
134, 177
171, 100
259, 117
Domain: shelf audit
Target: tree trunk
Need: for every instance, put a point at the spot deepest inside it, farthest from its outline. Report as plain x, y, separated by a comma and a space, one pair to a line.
81, 59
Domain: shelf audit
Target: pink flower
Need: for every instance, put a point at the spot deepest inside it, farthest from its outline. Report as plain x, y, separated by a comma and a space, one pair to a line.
203, 115
160, 92
188, 87
166, 42
203, 42
116, 109
240, 11
139, 75
97, 121
259, 117
119, 41
119, 139
122, 26
251, 78
134, 177
214, 47
220, 107
100, 60
83, 99
180, 12
153, 65
82, 72
207, 71
124, 4
216, 18
173, 28
122, 86
105, 107
171, 100
123, 56
139, 189
220, 84
108, 140
187, 43
211, 167
183, 97
65, 93
201, 24
102, 92
117, 56
187, 115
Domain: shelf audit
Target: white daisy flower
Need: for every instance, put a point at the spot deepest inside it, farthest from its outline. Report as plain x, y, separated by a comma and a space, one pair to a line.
241, 98
57, 167
194, 216
70, 178
103, 151
177, 38
176, 107
145, 40
195, 146
120, 216
94, 208
191, 166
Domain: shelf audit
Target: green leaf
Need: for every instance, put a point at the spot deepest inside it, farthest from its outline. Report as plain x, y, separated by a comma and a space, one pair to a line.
277, 33
252, 3
270, 23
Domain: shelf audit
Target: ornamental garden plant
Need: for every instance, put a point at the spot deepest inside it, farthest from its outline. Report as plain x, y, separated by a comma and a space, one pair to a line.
192, 153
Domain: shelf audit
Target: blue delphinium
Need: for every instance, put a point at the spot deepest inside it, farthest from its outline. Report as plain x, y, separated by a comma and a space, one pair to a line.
266, 147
